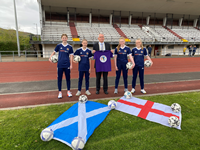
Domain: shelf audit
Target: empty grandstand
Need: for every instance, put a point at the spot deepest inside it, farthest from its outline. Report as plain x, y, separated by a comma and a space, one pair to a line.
167, 33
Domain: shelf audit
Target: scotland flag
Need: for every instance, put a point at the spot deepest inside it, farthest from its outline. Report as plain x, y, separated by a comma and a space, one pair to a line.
80, 120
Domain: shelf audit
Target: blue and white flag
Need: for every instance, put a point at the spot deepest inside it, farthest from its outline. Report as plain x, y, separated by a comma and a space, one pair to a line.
80, 120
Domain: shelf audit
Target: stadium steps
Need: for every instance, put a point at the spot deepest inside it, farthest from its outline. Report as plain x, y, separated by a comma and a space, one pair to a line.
121, 33
174, 33
74, 31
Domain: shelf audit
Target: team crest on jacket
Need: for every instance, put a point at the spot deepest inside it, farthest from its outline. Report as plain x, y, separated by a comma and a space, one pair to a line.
67, 48
103, 58
124, 50
87, 53
141, 51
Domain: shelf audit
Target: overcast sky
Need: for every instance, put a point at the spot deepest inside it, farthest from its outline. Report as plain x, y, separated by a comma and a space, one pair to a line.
27, 15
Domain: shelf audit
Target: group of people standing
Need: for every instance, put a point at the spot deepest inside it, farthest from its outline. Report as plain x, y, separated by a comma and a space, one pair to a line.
65, 64
192, 50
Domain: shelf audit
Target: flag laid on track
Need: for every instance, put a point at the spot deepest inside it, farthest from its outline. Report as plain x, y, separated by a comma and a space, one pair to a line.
79, 120
148, 110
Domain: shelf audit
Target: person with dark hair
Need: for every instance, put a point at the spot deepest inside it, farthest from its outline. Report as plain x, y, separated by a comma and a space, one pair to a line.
190, 50
194, 50
149, 50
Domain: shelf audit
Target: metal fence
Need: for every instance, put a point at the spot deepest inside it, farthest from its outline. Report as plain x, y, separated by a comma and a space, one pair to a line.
9, 56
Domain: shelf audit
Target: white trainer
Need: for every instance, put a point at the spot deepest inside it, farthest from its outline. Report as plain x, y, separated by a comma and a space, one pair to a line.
125, 90
133, 90
143, 91
78, 93
88, 92
60, 95
69, 94
116, 91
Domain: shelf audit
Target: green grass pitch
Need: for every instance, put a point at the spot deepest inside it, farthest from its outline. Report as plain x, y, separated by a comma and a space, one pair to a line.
20, 129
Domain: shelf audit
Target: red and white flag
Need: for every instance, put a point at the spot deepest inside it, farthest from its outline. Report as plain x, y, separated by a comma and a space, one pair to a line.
148, 110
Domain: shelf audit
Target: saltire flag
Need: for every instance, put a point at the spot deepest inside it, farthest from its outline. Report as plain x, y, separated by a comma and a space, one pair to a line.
80, 120
148, 110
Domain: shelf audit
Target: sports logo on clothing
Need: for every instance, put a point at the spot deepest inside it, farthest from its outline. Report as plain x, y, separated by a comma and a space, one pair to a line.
61, 48
87, 53
124, 50
80, 52
135, 51
103, 58
67, 48
141, 51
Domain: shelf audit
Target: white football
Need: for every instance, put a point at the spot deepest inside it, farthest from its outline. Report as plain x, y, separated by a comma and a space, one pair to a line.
127, 95
83, 99
54, 58
46, 134
77, 58
175, 107
173, 121
77, 143
129, 65
147, 63
112, 104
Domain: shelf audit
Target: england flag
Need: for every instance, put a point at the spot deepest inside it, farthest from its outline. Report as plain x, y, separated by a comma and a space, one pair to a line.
80, 120
148, 110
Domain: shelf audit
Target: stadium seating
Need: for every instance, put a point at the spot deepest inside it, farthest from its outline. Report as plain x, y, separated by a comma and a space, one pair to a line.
52, 31
134, 32
189, 33
91, 31
165, 34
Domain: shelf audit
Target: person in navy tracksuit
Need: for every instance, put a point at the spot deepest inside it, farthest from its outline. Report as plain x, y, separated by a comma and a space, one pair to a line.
190, 50
138, 53
121, 53
194, 50
84, 66
65, 51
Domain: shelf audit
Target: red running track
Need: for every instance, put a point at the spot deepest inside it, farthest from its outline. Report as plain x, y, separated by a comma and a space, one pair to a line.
25, 99
44, 70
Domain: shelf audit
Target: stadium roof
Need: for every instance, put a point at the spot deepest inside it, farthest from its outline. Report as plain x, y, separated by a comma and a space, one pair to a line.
153, 6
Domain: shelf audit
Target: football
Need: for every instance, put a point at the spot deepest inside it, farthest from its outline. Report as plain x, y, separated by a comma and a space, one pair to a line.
147, 63
77, 58
173, 121
129, 65
83, 99
112, 104
175, 107
46, 134
77, 143
127, 95
54, 58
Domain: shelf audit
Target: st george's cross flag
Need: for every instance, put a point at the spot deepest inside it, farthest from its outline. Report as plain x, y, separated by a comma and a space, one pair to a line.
148, 110
80, 120
102, 60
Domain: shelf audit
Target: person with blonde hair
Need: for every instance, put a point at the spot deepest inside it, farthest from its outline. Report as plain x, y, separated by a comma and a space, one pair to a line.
138, 53
120, 58
84, 66
64, 63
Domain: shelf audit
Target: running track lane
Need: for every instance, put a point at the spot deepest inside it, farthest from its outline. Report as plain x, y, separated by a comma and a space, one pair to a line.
44, 70
25, 99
